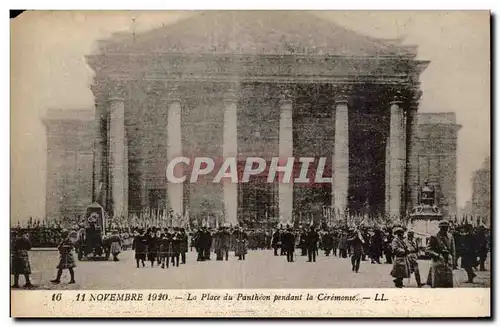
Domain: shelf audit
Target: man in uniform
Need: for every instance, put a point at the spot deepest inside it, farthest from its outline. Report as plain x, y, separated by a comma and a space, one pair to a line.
276, 241
312, 240
289, 243
413, 257
356, 243
482, 246
20, 263
376, 246
401, 268
469, 252
441, 249
241, 243
303, 242
327, 241
184, 244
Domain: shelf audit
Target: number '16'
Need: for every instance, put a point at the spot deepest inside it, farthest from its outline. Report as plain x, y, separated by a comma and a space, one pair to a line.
56, 297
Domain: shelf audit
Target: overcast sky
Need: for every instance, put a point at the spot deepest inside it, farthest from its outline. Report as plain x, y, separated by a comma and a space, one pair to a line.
49, 71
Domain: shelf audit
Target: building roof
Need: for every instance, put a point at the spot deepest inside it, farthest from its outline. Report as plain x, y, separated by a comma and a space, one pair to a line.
256, 32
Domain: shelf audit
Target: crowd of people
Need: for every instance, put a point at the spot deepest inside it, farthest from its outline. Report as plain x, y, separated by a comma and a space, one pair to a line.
167, 247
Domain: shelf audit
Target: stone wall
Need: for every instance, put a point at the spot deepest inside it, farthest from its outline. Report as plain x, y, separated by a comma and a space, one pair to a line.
69, 162
437, 157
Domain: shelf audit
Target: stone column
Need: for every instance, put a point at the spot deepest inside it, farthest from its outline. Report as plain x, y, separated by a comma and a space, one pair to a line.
412, 185
230, 149
286, 151
117, 150
99, 145
397, 158
175, 192
340, 173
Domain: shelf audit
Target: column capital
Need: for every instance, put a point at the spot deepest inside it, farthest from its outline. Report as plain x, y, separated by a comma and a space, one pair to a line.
397, 98
342, 94
116, 92
396, 101
172, 91
341, 99
230, 96
286, 97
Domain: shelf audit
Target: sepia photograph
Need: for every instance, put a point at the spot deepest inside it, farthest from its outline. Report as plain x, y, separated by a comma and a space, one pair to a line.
250, 151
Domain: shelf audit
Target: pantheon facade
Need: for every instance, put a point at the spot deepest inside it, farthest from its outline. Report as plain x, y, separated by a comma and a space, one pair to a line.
265, 84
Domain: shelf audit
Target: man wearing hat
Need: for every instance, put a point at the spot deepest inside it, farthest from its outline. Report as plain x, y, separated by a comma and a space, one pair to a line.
469, 252
276, 241
400, 268
20, 263
115, 244
482, 243
66, 259
413, 257
441, 249
356, 243
140, 245
288, 243
312, 241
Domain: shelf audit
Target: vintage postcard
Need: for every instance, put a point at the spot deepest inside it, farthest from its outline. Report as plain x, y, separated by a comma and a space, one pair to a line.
250, 164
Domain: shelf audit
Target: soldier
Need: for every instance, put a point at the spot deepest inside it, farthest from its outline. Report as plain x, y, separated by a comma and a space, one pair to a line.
184, 244
218, 244
376, 246
366, 246
176, 247
225, 240
327, 241
276, 241
289, 243
482, 245
115, 244
413, 257
469, 252
166, 251
198, 244
458, 237
303, 242
356, 242
312, 244
66, 259
207, 244
153, 246
387, 246
140, 245
343, 244
441, 249
20, 263
282, 249
241, 244
401, 268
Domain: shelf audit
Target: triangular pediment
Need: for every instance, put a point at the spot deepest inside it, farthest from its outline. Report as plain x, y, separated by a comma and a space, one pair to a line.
256, 32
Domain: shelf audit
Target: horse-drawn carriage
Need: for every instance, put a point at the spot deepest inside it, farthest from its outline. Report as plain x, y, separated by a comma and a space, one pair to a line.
90, 239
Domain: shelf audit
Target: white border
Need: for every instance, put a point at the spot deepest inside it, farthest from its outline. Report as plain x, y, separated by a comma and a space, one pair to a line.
186, 4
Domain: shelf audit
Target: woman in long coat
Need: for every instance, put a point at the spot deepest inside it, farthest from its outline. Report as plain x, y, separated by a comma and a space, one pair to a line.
66, 259
20, 259
400, 266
